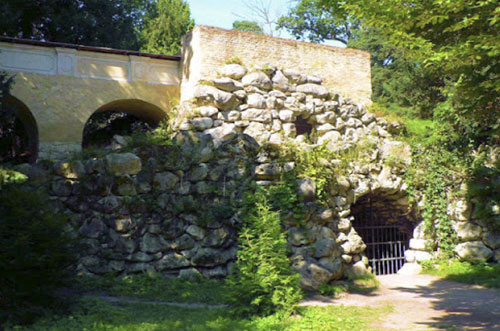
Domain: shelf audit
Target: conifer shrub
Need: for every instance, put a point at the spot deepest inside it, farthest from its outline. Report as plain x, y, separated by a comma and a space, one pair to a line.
36, 254
262, 282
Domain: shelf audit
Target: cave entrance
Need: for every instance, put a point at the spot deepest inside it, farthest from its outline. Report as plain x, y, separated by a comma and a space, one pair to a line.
384, 225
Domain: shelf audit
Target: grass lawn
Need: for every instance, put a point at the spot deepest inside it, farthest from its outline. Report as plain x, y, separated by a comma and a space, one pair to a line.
95, 314
156, 287
487, 275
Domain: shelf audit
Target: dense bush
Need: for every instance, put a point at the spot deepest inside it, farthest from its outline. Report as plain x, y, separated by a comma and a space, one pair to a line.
263, 281
36, 254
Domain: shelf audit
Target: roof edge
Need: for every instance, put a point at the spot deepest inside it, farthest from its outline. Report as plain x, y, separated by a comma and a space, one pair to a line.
87, 48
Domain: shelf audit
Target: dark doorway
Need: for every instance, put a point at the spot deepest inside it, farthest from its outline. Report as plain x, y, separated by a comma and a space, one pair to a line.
18, 132
122, 117
386, 230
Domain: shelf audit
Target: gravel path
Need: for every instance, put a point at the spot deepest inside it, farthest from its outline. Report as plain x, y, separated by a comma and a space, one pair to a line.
424, 302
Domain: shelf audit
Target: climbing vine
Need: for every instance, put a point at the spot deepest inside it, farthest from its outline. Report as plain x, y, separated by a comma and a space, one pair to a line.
433, 173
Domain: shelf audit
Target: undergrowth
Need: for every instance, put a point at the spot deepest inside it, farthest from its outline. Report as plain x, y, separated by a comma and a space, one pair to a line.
484, 274
263, 281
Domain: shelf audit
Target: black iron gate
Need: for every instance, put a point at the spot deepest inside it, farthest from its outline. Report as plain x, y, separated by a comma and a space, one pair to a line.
385, 243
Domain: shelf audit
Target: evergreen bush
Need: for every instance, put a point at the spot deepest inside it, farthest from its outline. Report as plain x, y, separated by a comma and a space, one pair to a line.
263, 281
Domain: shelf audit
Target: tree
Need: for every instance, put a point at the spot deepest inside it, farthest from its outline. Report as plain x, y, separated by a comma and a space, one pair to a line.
249, 26
261, 12
165, 24
312, 20
398, 82
458, 40
110, 23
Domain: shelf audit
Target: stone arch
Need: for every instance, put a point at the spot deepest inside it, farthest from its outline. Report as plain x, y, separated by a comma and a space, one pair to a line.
385, 222
23, 147
134, 110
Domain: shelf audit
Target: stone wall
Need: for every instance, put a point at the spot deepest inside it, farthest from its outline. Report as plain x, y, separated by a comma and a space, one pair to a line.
347, 71
173, 208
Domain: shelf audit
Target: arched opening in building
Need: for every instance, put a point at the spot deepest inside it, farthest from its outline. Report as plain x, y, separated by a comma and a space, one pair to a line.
18, 133
121, 117
386, 227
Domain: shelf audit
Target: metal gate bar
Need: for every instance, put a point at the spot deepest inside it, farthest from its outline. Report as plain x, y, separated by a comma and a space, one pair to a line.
386, 243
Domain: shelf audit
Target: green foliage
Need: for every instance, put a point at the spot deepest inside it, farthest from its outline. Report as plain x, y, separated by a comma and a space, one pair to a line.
323, 166
284, 199
36, 254
484, 190
248, 26
110, 23
95, 314
9, 176
314, 164
397, 79
483, 274
457, 40
263, 282
234, 60
434, 172
312, 20
165, 24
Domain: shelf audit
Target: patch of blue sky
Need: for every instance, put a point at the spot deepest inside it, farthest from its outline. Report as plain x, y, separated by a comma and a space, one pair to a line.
222, 13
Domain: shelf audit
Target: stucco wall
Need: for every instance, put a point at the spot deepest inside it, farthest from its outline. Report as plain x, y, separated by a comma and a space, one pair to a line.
63, 87
61, 105
345, 71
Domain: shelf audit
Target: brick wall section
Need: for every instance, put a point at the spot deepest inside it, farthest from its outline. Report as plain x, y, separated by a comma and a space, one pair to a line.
344, 70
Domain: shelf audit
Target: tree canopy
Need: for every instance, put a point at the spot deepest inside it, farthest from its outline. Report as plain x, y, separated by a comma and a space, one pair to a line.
315, 21
110, 23
149, 25
439, 55
249, 26
165, 24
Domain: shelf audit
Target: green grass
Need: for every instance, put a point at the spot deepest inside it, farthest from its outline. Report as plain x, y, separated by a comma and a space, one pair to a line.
94, 314
487, 275
156, 287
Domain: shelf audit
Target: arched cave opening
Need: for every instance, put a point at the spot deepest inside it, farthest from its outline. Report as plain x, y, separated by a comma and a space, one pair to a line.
385, 225
122, 117
18, 133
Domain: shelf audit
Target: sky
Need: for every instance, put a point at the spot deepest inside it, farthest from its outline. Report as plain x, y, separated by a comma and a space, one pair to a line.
222, 13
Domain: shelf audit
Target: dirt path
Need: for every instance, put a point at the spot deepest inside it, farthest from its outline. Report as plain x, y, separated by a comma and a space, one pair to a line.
424, 302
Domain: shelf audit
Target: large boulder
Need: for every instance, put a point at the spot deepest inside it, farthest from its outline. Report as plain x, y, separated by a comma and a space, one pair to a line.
307, 189
467, 231
395, 150
234, 71
257, 79
473, 251
318, 91
165, 181
227, 84
123, 163
492, 239
221, 133
173, 261
212, 96
357, 270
